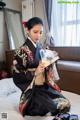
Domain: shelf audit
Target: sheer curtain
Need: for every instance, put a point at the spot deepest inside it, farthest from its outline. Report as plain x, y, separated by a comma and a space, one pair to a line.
65, 23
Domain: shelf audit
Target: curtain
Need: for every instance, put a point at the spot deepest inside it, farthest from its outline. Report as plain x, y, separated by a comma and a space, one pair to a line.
65, 23
48, 9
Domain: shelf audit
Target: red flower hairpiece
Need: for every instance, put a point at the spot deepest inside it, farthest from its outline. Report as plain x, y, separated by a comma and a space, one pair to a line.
24, 23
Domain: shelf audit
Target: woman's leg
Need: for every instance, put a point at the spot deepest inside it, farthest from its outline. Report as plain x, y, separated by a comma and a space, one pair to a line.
62, 103
44, 101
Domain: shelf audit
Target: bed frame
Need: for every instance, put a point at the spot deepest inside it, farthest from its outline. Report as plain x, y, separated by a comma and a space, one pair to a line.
69, 68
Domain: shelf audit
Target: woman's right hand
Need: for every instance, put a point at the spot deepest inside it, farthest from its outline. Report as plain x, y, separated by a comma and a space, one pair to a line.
40, 68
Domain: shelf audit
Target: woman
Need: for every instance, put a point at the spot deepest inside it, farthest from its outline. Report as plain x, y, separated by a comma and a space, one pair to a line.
39, 96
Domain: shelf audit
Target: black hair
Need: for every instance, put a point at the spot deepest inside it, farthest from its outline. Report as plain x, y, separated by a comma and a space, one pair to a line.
32, 22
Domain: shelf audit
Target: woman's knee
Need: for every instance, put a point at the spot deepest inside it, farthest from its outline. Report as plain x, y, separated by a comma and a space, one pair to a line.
64, 105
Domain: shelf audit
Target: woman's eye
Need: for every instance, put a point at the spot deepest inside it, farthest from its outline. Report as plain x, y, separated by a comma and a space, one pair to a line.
38, 32
35, 32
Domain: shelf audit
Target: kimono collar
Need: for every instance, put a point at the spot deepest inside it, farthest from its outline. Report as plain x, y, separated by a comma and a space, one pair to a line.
32, 42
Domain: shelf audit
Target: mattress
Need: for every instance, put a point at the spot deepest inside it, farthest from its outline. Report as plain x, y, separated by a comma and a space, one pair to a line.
9, 101
75, 107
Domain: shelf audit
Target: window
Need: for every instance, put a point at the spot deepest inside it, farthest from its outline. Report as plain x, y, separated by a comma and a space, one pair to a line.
67, 24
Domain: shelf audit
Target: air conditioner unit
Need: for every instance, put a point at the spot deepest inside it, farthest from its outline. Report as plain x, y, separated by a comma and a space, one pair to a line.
27, 9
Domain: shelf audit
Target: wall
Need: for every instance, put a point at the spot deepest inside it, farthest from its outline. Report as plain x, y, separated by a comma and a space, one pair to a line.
3, 37
11, 4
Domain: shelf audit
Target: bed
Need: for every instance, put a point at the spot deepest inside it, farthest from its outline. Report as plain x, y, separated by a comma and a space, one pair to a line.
9, 101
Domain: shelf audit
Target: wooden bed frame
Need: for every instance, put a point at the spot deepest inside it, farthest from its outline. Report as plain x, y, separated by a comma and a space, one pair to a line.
69, 68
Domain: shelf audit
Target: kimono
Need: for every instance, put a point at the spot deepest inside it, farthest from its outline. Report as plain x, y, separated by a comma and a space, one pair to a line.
40, 94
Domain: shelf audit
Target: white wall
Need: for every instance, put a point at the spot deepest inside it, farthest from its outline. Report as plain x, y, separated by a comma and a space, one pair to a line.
11, 4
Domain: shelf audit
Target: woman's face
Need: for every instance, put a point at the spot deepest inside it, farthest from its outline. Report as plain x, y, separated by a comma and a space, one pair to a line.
35, 33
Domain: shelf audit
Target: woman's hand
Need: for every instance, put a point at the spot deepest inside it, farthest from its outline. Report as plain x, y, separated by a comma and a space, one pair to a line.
39, 76
40, 68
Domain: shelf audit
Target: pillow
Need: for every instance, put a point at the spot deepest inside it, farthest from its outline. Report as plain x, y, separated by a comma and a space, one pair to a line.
7, 87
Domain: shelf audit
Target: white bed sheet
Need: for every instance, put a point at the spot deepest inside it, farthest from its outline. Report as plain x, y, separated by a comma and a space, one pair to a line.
74, 100
75, 106
9, 104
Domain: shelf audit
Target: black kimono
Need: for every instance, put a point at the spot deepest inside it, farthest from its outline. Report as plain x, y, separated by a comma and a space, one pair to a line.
38, 97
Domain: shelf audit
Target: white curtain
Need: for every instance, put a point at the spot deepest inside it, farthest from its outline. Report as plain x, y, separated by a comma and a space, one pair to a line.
65, 23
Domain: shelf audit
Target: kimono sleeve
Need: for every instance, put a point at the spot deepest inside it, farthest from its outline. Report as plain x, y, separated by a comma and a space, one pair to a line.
56, 75
20, 59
